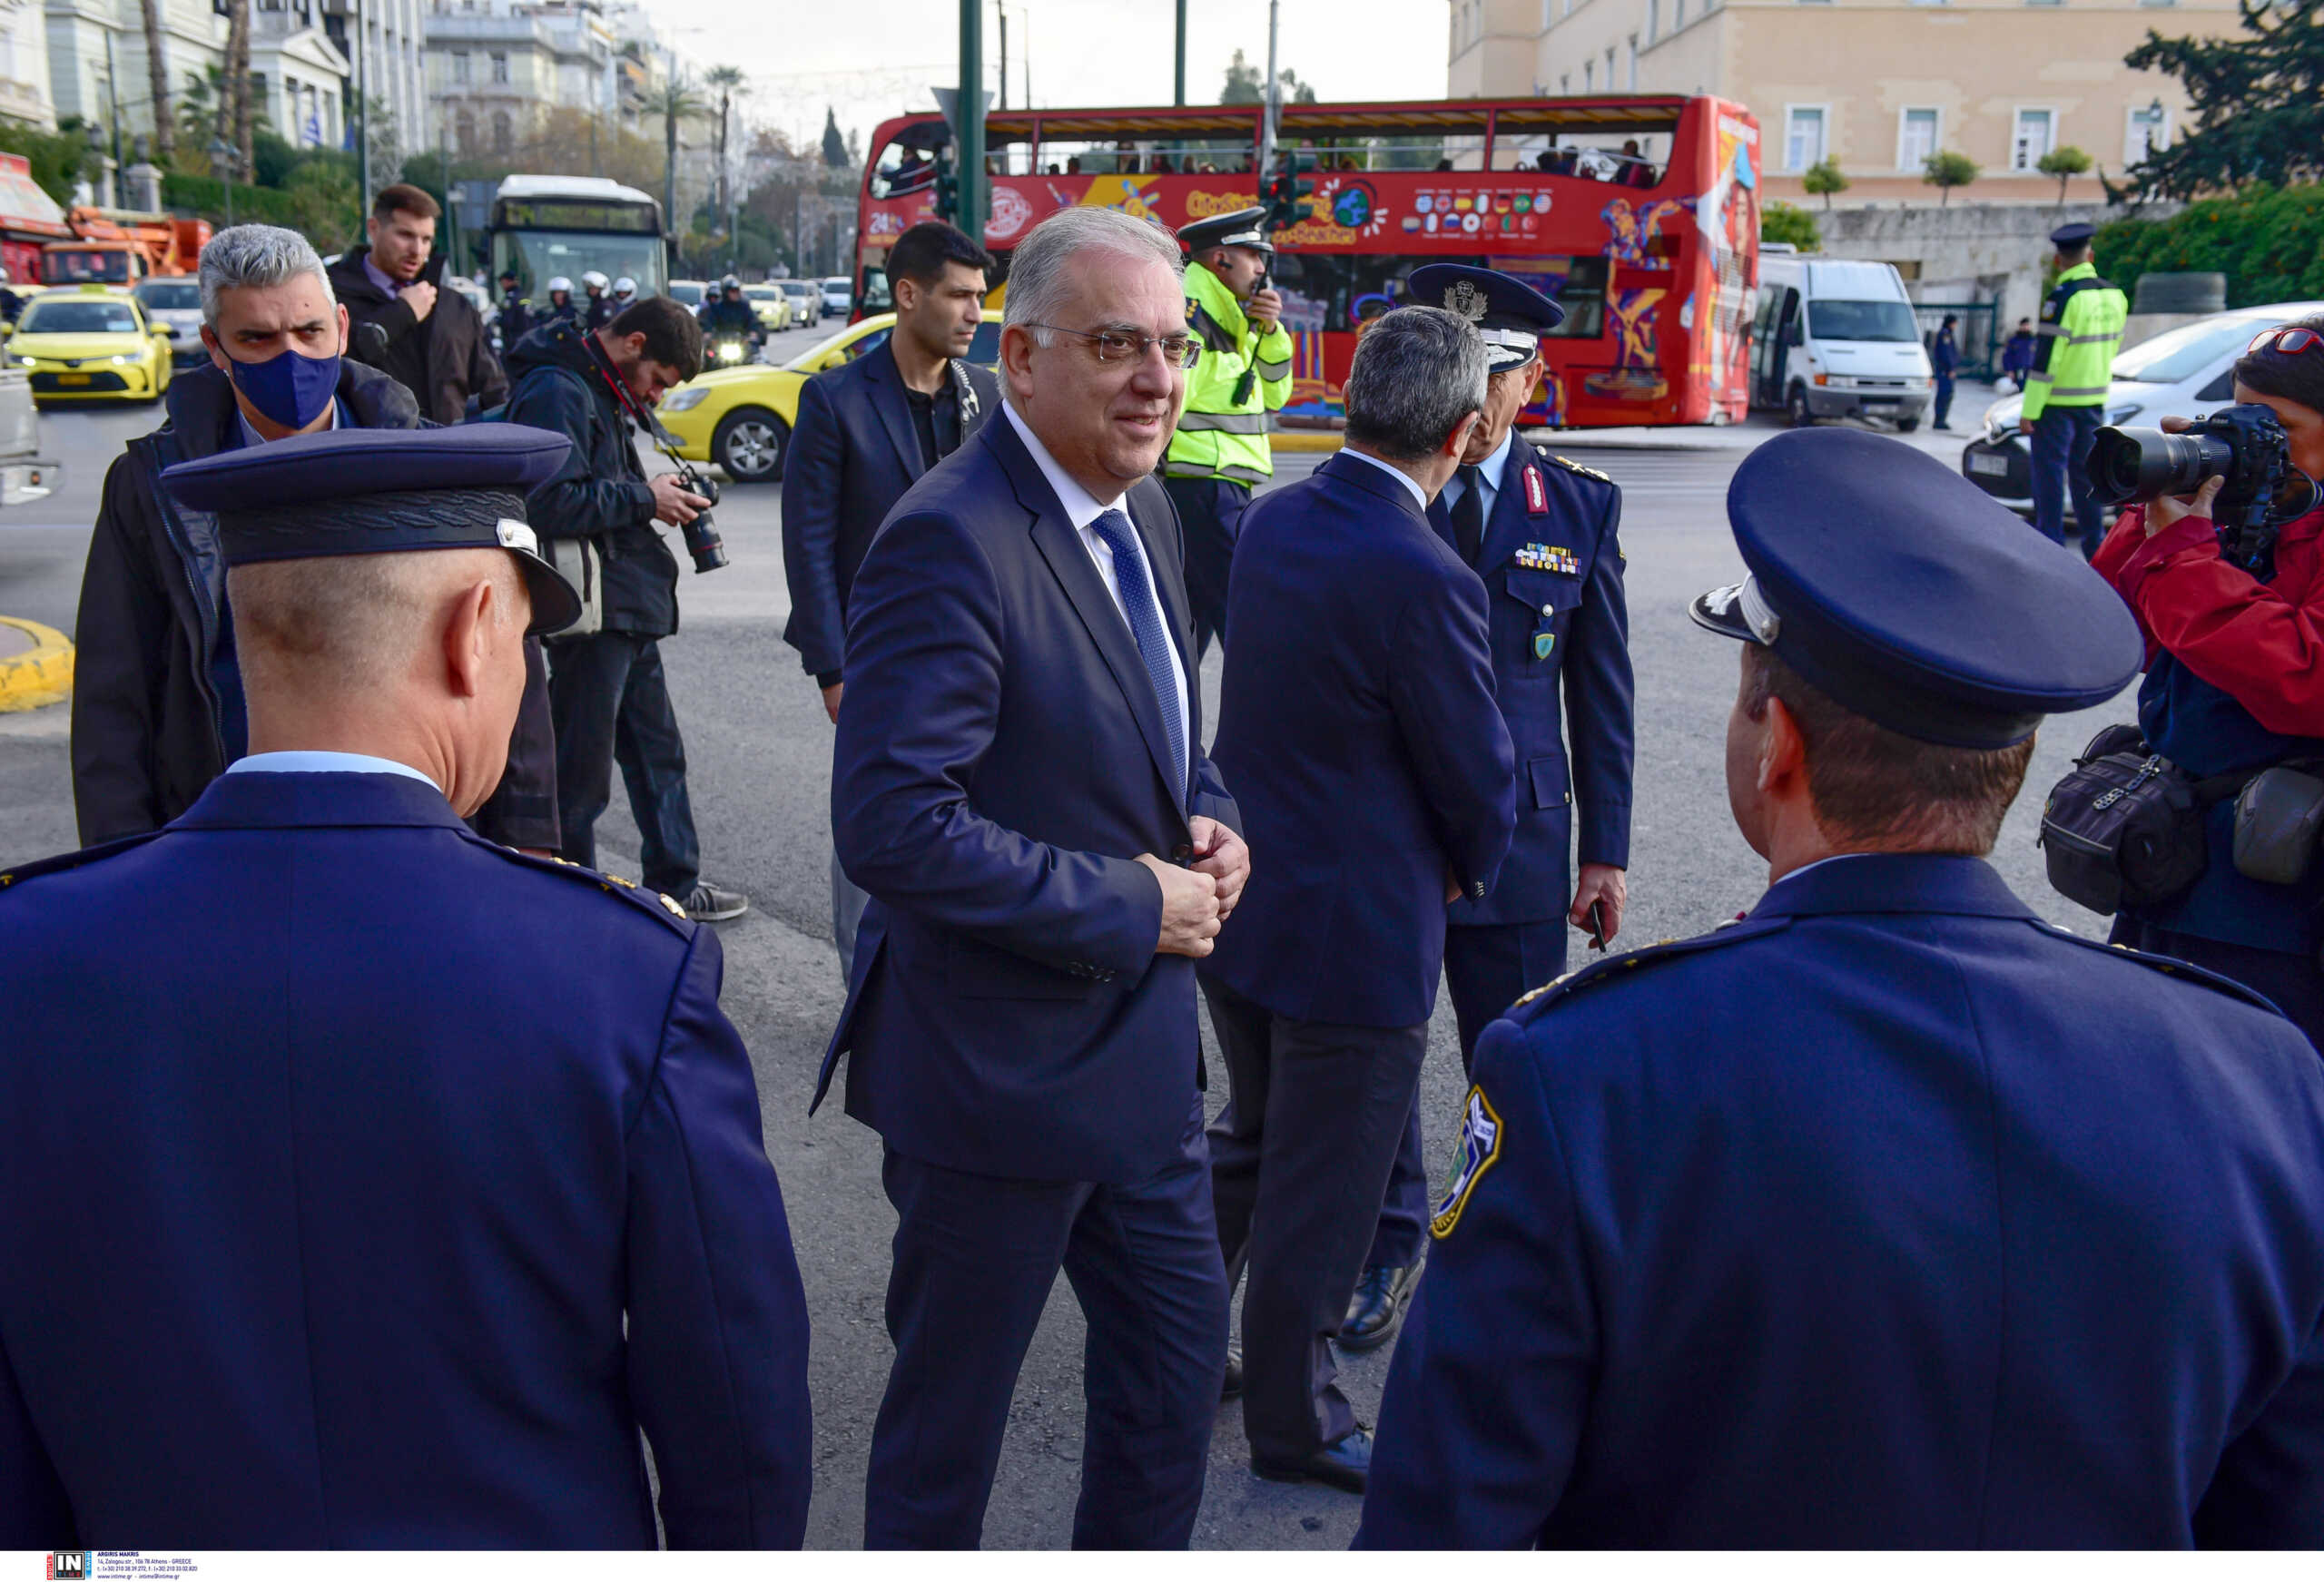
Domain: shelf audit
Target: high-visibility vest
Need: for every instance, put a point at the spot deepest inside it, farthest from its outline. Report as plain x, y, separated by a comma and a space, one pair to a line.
2073, 354
1219, 436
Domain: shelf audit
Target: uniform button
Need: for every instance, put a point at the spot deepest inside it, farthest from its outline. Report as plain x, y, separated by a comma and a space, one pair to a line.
1548, 609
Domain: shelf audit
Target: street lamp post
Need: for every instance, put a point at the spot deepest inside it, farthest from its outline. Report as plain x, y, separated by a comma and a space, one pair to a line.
222, 158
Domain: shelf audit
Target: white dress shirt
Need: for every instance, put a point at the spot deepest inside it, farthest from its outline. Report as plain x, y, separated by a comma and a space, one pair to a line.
317, 762
1489, 473
1082, 508
1412, 487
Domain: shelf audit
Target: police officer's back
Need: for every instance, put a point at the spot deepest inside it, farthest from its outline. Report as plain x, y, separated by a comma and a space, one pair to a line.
1888, 1215
370, 1184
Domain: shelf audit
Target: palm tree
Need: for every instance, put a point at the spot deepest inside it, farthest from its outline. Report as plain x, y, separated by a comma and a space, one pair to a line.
157, 74
234, 106
731, 86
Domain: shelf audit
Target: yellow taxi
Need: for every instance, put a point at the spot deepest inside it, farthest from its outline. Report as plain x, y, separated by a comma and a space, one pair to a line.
772, 308
89, 343
741, 417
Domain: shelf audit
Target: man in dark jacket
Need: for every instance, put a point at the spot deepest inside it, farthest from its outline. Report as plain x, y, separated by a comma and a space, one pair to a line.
157, 699
515, 318
431, 340
606, 691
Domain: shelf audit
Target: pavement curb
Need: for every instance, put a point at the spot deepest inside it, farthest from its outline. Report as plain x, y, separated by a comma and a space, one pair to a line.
42, 677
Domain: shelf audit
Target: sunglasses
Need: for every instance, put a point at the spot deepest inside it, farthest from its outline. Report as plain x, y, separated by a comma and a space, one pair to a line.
2289, 341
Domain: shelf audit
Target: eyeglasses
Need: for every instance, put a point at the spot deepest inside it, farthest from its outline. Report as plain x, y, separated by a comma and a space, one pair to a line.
2291, 340
1120, 346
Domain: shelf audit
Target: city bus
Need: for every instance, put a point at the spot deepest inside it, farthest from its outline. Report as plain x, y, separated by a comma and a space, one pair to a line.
545, 226
1638, 212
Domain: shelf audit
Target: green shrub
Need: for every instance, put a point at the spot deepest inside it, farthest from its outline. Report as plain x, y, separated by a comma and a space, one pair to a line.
2269, 241
1782, 221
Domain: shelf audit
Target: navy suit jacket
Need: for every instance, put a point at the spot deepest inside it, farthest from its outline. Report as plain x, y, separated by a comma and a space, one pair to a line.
338, 1144
854, 453
1889, 1216
1000, 761
1358, 724
1553, 571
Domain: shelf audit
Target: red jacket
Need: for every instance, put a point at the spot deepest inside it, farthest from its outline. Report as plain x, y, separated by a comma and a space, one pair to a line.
2262, 643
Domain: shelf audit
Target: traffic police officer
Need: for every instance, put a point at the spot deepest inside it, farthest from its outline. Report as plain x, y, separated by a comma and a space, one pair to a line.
1889, 1215
434, 1172
1220, 451
2065, 397
1541, 531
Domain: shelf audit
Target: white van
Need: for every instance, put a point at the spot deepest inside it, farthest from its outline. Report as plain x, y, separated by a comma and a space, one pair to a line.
1836, 337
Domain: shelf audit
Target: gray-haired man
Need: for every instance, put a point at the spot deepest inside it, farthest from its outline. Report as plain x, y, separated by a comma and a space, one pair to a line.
1358, 726
157, 695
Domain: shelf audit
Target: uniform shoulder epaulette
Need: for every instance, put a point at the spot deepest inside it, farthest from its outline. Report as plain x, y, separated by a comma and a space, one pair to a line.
652, 902
1570, 464
2170, 967
64, 862
1616, 968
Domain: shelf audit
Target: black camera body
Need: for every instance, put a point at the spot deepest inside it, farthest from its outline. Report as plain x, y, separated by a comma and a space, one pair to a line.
703, 542
2244, 446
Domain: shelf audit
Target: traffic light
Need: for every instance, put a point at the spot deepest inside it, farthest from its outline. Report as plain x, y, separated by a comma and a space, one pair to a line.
1283, 196
948, 185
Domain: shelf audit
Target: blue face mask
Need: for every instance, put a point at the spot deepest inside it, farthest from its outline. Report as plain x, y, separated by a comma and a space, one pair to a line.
287, 389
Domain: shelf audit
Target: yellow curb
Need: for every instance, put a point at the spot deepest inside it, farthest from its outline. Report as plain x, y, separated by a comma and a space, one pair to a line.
44, 676
1304, 441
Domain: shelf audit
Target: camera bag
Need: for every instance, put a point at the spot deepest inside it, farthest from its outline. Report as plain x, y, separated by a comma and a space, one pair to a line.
2278, 817
2124, 827
576, 560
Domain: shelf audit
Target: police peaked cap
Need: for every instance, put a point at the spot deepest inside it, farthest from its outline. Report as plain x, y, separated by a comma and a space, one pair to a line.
2073, 235
1511, 315
370, 491
1240, 228
1906, 594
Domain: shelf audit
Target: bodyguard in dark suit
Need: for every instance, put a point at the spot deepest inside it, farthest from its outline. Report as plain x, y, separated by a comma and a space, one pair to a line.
1541, 531
1020, 786
1889, 1215
866, 431
432, 1173
1358, 727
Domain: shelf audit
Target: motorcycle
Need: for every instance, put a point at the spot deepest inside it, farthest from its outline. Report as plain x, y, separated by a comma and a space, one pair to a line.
731, 351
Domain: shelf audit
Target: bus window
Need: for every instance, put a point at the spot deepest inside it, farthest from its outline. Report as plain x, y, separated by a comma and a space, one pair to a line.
1578, 285
903, 171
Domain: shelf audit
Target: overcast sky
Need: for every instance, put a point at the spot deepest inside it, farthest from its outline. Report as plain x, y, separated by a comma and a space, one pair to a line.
871, 59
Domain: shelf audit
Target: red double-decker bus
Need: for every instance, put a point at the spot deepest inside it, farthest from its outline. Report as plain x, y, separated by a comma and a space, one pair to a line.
1638, 212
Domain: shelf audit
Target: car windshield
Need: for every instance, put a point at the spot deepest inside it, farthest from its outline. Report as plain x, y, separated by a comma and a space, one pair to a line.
837, 283
1831, 320
81, 317
537, 255
762, 294
809, 360
2178, 355
687, 293
797, 289
173, 295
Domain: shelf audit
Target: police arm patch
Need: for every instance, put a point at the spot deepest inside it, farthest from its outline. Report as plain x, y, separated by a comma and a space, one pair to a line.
1480, 1149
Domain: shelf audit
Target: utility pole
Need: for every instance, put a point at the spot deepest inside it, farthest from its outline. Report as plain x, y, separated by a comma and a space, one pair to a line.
113, 97
1274, 103
362, 115
1002, 6
1180, 78
670, 145
969, 135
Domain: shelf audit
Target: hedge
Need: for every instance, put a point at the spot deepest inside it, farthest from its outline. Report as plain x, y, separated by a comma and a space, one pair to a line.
206, 196
2268, 243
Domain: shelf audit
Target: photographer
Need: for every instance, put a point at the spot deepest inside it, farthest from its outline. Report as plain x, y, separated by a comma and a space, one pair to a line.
606, 689
2233, 683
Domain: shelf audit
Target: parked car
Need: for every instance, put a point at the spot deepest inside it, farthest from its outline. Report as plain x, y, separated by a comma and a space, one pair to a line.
771, 305
806, 300
1836, 337
91, 343
2178, 373
174, 302
26, 475
688, 294
839, 296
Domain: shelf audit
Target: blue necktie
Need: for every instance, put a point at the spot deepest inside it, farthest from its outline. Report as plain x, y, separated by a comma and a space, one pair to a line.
1146, 626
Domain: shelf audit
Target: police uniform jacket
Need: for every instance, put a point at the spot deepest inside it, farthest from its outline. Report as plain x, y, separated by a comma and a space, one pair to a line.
371, 1185
1358, 728
1560, 638
1890, 1216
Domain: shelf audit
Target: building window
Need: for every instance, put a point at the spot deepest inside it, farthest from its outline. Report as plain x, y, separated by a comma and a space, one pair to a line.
503, 132
1653, 20
1565, 83
1633, 82
1547, 16
460, 68
1916, 133
1610, 68
1678, 14
499, 68
1803, 137
2149, 130
2036, 134
464, 133
1590, 76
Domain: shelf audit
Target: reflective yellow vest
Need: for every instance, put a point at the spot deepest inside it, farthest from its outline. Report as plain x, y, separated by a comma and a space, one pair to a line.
1218, 435
2082, 327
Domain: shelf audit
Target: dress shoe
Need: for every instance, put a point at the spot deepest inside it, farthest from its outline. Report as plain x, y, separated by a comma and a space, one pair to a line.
1231, 1387
1377, 1310
1344, 1464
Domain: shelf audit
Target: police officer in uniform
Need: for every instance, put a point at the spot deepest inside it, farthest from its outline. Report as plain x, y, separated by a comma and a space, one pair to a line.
1540, 530
514, 319
434, 1171
1889, 1215
1220, 452
2066, 397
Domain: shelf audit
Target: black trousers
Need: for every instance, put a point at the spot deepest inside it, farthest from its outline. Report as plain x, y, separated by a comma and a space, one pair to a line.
2295, 983
1210, 514
2062, 436
1944, 399
975, 1259
1298, 1160
612, 704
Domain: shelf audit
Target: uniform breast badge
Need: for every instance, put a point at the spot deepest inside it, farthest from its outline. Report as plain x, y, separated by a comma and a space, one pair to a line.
1554, 557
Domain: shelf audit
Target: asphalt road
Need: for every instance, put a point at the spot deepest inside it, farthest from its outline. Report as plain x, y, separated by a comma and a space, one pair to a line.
759, 750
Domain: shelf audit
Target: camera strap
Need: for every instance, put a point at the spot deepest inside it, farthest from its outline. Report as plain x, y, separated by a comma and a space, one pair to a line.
639, 414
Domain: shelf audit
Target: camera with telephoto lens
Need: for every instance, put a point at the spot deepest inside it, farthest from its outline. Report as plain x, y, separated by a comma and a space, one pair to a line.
2243, 446
708, 549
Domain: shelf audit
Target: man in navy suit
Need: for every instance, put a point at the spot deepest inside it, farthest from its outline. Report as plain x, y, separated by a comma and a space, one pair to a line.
866, 431
1889, 1215
399, 1179
1541, 531
1020, 784
1358, 727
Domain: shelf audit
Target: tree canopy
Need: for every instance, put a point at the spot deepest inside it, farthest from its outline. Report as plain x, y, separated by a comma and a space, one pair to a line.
2258, 103
1247, 83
